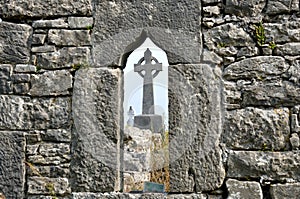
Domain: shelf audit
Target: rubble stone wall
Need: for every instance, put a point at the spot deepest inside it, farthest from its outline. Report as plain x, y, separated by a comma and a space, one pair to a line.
234, 93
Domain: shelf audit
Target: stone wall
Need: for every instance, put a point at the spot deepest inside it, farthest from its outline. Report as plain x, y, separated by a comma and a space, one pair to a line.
234, 93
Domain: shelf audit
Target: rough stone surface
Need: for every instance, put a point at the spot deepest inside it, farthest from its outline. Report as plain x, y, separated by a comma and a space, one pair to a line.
227, 34
282, 6
80, 22
175, 26
287, 31
256, 67
267, 165
280, 93
239, 189
56, 23
285, 191
56, 135
48, 154
51, 83
12, 168
26, 113
244, 7
44, 185
96, 131
5, 78
69, 37
14, 42
43, 49
65, 57
289, 49
136, 196
195, 112
257, 129
24, 68
38, 39
25, 8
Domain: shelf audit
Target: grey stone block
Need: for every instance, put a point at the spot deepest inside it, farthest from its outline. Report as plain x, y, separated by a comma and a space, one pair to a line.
38, 39
283, 32
69, 37
65, 57
14, 42
239, 189
56, 135
25, 113
24, 68
277, 166
289, 49
244, 7
86, 195
174, 26
80, 22
270, 93
49, 154
12, 167
257, 129
43, 49
44, 185
41, 8
282, 6
96, 106
21, 88
285, 191
51, 83
257, 67
194, 117
56, 23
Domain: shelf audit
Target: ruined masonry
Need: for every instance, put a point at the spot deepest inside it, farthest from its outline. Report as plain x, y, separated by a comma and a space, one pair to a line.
234, 97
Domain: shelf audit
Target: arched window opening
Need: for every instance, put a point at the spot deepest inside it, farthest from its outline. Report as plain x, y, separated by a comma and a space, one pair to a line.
146, 119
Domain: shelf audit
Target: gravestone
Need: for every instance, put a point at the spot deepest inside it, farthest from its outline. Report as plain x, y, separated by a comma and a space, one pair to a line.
148, 119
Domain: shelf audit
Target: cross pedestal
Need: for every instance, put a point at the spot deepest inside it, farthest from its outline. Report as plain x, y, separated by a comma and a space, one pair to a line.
148, 119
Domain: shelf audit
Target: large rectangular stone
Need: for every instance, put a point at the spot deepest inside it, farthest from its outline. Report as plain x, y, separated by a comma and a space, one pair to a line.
175, 26
14, 42
19, 112
44, 9
195, 128
257, 129
65, 57
51, 186
96, 106
274, 166
51, 83
69, 37
285, 191
12, 167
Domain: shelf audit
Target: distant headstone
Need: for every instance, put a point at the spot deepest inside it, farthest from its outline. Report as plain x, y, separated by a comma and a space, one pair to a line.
148, 119
130, 116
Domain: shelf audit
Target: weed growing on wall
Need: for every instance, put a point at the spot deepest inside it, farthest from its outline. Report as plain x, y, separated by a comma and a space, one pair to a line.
260, 34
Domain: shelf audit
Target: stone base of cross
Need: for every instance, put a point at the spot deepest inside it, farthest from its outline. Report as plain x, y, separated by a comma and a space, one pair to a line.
149, 121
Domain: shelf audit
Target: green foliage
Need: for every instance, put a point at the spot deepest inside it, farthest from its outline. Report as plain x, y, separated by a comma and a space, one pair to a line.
80, 65
221, 45
38, 68
260, 34
89, 27
272, 45
48, 185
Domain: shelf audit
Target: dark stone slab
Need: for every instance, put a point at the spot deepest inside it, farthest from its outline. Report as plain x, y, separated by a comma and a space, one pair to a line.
174, 25
14, 42
194, 125
12, 166
96, 131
